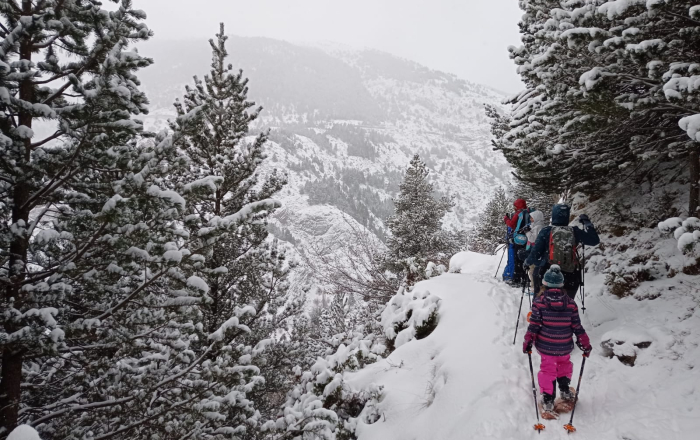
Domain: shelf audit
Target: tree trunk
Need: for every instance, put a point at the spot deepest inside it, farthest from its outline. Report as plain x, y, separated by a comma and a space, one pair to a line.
12, 357
11, 390
694, 177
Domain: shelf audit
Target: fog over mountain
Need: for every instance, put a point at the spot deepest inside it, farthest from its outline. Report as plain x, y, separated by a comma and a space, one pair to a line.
345, 123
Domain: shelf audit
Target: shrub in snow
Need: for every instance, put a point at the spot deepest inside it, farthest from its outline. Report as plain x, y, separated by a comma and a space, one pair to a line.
357, 271
322, 404
623, 279
409, 316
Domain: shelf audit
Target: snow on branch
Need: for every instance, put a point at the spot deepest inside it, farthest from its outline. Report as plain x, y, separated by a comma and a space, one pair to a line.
686, 232
691, 125
24, 432
245, 214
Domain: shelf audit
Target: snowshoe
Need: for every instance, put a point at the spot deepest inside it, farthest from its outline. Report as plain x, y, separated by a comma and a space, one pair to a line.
566, 401
548, 414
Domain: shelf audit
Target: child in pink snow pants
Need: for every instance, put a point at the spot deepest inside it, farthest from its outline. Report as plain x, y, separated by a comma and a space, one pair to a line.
553, 324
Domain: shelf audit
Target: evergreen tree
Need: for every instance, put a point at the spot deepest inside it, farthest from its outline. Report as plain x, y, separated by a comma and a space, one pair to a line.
85, 225
416, 227
244, 270
490, 230
107, 330
610, 95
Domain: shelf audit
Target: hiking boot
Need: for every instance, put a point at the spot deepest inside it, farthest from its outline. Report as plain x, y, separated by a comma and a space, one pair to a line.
564, 388
547, 402
567, 395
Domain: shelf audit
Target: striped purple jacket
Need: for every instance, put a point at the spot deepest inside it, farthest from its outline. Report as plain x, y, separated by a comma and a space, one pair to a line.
554, 322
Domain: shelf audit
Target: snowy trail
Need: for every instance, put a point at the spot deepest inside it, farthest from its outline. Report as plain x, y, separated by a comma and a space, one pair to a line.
468, 380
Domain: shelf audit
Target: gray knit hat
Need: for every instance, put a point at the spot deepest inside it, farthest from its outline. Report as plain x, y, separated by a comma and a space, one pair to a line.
553, 277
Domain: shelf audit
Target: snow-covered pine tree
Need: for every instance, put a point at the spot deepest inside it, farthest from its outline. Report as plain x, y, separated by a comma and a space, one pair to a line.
71, 203
610, 96
99, 323
416, 227
536, 196
243, 268
490, 230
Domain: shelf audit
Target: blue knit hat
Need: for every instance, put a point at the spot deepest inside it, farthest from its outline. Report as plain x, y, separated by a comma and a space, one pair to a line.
553, 277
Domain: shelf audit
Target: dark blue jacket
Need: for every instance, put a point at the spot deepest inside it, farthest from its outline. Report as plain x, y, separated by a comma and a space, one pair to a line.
539, 254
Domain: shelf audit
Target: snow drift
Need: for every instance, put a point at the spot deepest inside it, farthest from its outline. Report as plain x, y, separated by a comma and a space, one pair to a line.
468, 380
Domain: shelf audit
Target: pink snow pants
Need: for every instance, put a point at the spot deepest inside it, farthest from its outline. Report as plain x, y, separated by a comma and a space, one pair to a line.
551, 368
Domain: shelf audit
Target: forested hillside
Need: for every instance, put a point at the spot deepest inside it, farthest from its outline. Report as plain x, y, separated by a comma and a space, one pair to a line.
345, 124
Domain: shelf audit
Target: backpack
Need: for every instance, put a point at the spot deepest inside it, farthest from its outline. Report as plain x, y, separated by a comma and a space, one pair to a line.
562, 248
523, 221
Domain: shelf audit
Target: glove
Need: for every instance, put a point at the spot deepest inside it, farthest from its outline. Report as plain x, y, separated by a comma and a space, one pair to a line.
584, 344
525, 229
583, 219
527, 344
526, 267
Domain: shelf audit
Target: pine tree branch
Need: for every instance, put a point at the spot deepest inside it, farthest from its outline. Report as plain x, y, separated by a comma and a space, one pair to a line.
682, 17
46, 44
138, 423
79, 408
56, 135
54, 184
112, 310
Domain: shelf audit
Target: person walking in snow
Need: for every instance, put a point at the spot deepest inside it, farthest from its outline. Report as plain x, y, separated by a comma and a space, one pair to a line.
517, 223
558, 243
532, 230
553, 323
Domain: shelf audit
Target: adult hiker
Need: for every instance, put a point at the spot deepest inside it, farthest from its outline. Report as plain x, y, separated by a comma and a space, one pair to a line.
536, 225
553, 323
517, 240
557, 244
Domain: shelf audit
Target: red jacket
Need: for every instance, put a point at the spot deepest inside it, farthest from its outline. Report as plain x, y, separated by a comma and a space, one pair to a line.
520, 206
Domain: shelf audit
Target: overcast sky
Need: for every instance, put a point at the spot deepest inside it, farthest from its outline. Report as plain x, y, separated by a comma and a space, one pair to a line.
465, 37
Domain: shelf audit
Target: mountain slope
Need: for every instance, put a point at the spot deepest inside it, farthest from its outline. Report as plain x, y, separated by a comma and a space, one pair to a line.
468, 380
346, 123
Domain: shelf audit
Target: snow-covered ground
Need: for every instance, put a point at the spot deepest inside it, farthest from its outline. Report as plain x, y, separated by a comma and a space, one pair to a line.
468, 380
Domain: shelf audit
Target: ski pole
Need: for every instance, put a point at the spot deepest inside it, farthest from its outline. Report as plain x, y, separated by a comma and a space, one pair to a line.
539, 426
529, 297
519, 310
501, 262
583, 279
569, 427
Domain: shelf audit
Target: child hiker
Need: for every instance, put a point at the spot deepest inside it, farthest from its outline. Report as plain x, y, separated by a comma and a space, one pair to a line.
553, 324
